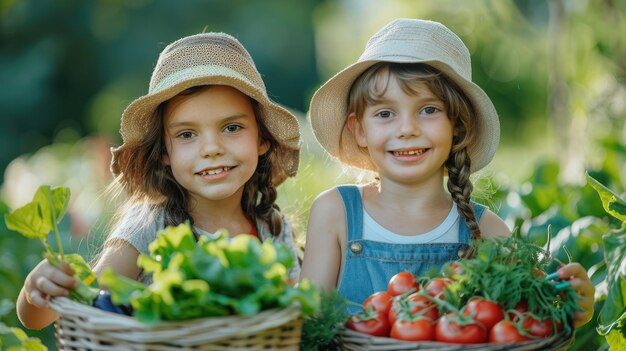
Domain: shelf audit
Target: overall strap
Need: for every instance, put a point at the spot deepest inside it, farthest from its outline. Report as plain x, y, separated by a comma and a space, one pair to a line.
354, 210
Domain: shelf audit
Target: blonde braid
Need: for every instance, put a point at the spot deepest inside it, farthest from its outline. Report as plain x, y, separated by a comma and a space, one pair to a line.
460, 188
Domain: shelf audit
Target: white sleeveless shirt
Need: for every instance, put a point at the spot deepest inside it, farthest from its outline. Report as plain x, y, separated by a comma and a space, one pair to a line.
446, 232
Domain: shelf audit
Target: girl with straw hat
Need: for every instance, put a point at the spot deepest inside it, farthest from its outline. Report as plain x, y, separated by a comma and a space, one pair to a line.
205, 145
408, 111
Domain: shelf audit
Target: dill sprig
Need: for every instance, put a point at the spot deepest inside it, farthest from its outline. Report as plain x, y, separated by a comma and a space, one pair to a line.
320, 331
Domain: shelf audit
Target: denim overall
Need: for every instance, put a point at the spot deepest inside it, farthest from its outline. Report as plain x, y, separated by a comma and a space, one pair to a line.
369, 265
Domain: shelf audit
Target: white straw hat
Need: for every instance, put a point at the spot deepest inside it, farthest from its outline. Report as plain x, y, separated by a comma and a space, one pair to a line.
404, 41
211, 59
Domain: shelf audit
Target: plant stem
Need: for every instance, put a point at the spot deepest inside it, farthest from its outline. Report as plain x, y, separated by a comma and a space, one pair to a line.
55, 229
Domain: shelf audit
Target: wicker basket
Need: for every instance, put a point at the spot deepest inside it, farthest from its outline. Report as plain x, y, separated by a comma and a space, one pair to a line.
355, 341
81, 327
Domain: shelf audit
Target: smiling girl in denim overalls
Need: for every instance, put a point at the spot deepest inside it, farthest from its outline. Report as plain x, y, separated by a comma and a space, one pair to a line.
408, 111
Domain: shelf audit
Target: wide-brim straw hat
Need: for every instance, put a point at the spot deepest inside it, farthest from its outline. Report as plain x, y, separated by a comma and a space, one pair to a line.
211, 59
404, 41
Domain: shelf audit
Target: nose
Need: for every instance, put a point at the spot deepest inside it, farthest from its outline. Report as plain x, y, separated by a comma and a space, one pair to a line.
211, 146
408, 126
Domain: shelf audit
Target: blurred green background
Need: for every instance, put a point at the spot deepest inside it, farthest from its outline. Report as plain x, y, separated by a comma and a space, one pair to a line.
555, 70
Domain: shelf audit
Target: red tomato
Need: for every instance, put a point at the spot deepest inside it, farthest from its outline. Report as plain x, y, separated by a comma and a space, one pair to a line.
505, 332
401, 283
447, 330
421, 329
484, 311
375, 325
436, 285
538, 328
380, 301
413, 304
521, 307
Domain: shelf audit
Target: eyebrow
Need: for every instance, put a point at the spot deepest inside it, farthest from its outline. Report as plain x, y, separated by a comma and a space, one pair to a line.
223, 120
422, 100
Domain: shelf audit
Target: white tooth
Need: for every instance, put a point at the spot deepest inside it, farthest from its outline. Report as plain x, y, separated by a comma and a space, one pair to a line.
215, 171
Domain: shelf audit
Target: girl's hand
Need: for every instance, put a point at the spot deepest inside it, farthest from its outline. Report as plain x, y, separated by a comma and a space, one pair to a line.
579, 280
46, 281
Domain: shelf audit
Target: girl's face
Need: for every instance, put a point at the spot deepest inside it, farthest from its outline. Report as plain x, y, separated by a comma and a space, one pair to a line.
212, 141
408, 136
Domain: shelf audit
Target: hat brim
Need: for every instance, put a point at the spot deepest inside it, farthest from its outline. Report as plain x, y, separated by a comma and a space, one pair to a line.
281, 123
328, 112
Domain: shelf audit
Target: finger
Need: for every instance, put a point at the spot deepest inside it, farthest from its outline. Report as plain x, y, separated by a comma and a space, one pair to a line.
586, 304
581, 318
584, 287
572, 270
61, 278
47, 287
37, 298
65, 267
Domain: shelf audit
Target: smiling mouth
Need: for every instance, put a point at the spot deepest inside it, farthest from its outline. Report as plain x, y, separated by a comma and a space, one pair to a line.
214, 171
409, 152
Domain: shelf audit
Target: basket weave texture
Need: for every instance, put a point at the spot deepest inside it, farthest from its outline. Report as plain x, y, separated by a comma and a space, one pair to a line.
355, 341
81, 327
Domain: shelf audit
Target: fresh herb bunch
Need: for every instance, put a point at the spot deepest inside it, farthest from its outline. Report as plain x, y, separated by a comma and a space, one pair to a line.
320, 330
212, 277
41, 216
509, 272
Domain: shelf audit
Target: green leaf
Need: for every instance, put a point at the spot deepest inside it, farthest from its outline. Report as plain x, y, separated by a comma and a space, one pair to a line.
614, 310
82, 270
52, 203
269, 253
616, 340
146, 307
149, 264
15, 339
173, 239
613, 204
122, 288
163, 283
248, 306
27, 220
37, 218
60, 200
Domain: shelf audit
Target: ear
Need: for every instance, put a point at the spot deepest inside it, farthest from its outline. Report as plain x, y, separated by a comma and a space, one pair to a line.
166, 160
264, 147
356, 129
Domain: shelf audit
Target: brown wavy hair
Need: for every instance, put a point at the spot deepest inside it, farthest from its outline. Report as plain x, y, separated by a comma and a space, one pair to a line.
146, 179
365, 91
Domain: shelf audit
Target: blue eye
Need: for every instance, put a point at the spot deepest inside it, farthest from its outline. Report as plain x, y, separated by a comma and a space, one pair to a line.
185, 135
429, 110
232, 128
384, 114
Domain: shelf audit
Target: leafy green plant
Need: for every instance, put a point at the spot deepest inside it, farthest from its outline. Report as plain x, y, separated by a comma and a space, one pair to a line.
320, 330
212, 277
511, 271
15, 339
41, 216
612, 319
